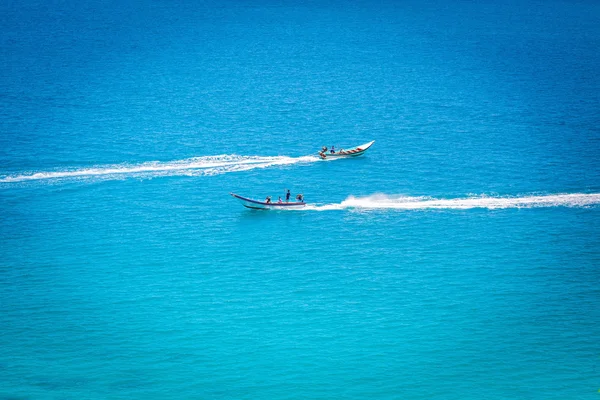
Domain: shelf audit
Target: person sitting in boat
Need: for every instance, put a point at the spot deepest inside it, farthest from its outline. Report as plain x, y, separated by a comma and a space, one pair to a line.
280, 201
268, 200
332, 149
300, 198
323, 151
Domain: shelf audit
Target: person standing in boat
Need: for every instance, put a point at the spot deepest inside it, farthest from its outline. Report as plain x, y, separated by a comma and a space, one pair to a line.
287, 196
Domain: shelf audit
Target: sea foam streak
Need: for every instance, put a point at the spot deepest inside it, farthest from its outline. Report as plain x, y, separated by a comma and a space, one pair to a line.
208, 165
382, 201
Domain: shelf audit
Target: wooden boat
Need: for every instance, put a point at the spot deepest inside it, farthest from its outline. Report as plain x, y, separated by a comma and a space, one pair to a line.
352, 152
263, 205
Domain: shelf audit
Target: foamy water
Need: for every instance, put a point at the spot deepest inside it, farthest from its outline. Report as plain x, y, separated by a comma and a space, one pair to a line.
382, 201
197, 166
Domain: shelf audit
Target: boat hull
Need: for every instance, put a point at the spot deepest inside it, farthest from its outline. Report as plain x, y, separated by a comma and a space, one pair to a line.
352, 152
261, 205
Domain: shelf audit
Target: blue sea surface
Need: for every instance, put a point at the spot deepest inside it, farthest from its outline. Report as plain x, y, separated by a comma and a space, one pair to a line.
459, 258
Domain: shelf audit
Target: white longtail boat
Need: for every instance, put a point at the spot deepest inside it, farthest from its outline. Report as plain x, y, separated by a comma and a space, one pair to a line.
352, 152
268, 205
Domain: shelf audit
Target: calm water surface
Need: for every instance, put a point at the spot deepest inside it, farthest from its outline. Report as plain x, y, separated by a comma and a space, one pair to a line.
459, 258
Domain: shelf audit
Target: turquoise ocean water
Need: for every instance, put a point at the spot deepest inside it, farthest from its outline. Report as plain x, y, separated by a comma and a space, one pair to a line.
458, 259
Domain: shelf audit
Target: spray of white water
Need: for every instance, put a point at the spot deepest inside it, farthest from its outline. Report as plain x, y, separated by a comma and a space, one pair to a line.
382, 201
197, 166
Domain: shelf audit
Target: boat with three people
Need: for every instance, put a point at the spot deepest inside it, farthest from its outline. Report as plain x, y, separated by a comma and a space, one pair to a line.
325, 153
267, 204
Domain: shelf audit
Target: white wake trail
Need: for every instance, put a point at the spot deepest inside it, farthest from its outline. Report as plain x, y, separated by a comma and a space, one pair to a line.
382, 201
208, 165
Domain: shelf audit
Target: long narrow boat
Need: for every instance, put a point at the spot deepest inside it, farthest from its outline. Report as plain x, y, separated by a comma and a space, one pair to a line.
352, 152
262, 205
